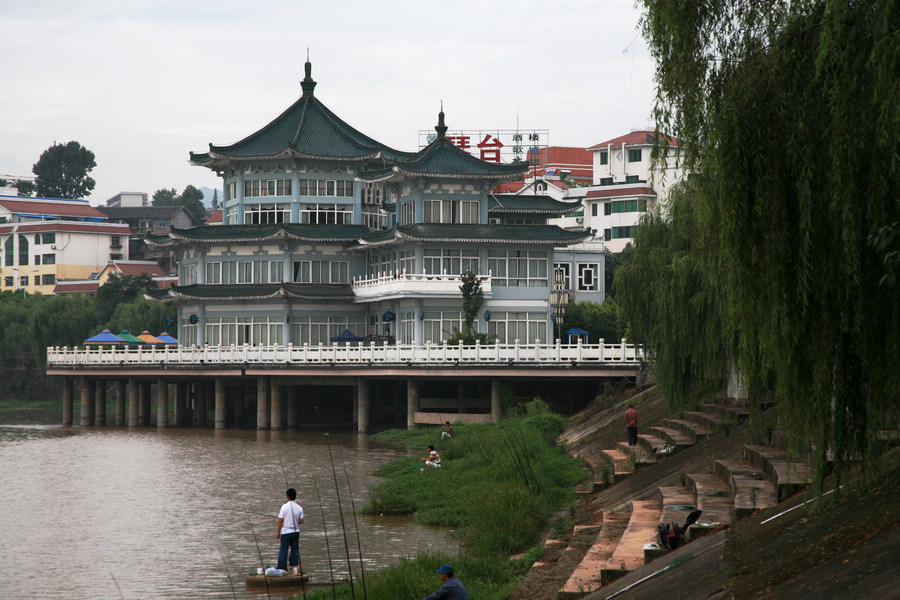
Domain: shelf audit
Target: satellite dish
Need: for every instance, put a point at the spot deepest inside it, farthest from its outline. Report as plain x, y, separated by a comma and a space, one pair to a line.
193, 319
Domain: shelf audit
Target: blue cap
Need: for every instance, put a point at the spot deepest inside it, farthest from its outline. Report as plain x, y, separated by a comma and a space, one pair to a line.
446, 569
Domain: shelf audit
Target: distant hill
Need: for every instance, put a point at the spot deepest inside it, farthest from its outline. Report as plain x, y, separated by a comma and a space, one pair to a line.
208, 196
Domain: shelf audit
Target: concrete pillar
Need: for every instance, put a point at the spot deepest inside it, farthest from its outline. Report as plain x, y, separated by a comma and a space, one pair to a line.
144, 404
293, 402
276, 403
178, 417
133, 402
68, 394
220, 403
495, 401
200, 406
120, 403
362, 405
101, 403
262, 402
85, 401
238, 397
412, 402
162, 403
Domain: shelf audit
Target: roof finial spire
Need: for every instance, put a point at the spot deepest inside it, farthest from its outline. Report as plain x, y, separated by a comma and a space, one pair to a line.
441, 128
308, 85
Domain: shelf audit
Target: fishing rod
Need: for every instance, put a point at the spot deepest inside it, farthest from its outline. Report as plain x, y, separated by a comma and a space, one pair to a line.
525, 453
259, 553
340, 506
299, 556
227, 573
362, 568
325, 529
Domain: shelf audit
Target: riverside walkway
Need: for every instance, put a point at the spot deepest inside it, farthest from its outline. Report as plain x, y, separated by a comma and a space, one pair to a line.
231, 386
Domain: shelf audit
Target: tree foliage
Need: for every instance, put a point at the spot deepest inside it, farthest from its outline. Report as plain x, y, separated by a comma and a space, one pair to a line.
62, 171
601, 321
191, 199
789, 116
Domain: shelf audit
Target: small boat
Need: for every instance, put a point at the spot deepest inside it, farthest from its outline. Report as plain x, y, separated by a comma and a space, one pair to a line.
256, 579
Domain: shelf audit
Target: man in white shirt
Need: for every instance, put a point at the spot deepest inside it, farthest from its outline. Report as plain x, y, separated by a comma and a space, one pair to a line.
289, 519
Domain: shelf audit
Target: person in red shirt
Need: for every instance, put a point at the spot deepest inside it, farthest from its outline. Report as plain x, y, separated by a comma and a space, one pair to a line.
631, 420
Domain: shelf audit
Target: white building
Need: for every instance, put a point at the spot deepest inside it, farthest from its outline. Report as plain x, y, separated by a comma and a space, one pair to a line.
45, 241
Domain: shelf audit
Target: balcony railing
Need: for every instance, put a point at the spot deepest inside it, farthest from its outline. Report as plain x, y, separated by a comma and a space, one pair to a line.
350, 355
399, 285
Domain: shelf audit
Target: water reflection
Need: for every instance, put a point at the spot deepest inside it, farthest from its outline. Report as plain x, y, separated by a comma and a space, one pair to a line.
118, 513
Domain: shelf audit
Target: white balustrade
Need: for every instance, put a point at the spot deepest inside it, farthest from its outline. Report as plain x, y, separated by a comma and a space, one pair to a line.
350, 354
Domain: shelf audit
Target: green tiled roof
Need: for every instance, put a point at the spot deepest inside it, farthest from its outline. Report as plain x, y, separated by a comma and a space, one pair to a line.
443, 159
249, 291
260, 291
307, 129
460, 232
526, 203
261, 233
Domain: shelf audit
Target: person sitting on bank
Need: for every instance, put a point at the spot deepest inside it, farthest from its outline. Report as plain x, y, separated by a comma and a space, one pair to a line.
453, 589
434, 459
448, 431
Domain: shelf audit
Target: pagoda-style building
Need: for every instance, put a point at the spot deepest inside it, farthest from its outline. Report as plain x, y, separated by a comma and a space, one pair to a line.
326, 230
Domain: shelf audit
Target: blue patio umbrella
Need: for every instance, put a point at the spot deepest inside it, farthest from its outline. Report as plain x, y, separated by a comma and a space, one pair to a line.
104, 337
168, 339
347, 336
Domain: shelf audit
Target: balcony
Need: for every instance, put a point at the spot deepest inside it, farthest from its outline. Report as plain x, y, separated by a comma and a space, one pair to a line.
403, 285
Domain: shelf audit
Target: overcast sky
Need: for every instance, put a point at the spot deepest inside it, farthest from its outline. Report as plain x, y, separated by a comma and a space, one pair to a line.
141, 83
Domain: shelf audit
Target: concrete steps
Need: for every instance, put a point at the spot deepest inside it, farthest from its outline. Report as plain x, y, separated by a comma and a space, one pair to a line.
671, 437
629, 552
586, 577
694, 431
638, 455
623, 464
712, 496
750, 489
788, 476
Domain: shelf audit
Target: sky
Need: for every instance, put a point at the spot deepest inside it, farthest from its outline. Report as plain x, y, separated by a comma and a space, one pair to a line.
142, 83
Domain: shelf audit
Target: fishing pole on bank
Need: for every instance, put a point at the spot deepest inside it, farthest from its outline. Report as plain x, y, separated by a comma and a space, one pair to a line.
259, 553
340, 505
325, 529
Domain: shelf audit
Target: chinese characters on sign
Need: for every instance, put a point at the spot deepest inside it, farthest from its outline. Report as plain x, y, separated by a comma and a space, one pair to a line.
495, 145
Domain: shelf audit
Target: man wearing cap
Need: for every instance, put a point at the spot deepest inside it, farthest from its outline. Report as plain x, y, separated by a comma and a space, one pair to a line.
452, 589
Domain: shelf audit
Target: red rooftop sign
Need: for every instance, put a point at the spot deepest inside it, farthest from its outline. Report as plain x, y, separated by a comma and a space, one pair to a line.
494, 145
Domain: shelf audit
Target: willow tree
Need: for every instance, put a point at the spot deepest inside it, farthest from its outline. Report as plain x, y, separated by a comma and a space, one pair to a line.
791, 122
672, 303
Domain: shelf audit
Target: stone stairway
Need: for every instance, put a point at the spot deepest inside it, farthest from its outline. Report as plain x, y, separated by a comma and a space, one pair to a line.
760, 477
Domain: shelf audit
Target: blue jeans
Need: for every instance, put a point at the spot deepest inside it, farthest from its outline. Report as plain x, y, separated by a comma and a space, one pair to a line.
292, 541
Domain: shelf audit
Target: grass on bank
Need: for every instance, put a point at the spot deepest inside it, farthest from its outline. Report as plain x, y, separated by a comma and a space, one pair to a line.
500, 486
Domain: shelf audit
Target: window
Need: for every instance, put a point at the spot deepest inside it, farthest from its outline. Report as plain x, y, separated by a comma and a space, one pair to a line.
408, 261
23, 250
606, 181
438, 261
527, 328
437, 326
260, 214
626, 206
634, 155
407, 213
321, 271
587, 277
326, 187
245, 271
326, 214
607, 208
451, 211
618, 233
320, 330
604, 158
594, 209
49, 238
518, 268
8, 250
407, 330
267, 187
256, 331
213, 272
8, 281
49, 279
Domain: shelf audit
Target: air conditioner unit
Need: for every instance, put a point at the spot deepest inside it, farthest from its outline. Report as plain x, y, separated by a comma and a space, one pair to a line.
579, 220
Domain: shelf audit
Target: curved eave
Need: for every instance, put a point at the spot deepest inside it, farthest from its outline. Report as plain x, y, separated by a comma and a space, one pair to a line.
250, 292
